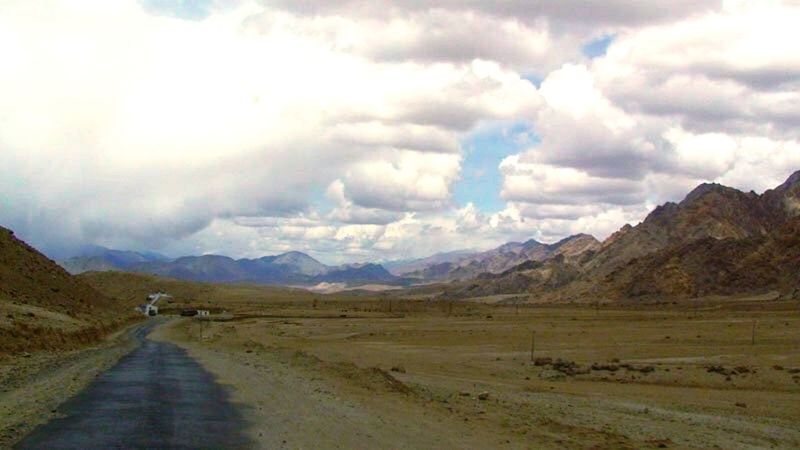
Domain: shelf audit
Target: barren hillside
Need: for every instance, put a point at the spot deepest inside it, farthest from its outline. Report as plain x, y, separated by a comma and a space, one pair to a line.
44, 307
718, 240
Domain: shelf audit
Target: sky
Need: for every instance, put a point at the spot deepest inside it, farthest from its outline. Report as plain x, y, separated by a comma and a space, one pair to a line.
359, 130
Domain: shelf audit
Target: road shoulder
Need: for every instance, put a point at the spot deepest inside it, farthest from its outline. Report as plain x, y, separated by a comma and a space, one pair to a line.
293, 400
33, 386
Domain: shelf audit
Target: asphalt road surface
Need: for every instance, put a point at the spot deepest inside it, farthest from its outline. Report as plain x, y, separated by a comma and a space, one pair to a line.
155, 397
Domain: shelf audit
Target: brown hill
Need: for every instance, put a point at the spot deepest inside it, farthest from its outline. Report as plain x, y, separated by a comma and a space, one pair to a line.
714, 266
709, 211
506, 257
241, 297
718, 240
44, 307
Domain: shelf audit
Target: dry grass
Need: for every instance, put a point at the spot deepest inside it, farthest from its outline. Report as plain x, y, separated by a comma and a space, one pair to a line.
689, 364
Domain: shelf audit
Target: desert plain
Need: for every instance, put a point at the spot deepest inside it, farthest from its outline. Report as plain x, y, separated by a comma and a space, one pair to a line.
391, 373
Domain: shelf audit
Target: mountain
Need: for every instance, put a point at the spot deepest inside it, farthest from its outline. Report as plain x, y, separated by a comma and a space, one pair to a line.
44, 307
709, 211
297, 262
505, 257
718, 240
714, 266
291, 268
402, 267
357, 274
100, 259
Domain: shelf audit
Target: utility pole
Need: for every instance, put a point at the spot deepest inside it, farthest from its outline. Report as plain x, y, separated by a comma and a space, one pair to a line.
533, 343
753, 335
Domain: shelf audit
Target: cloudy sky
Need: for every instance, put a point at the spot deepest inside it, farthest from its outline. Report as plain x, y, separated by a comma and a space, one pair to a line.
368, 130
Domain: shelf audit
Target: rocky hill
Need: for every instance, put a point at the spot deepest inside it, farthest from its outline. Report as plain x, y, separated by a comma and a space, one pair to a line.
714, 266
403, 267
718, 240
505, 257
43, 306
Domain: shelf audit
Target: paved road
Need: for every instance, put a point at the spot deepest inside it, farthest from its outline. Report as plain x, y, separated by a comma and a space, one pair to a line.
155, 397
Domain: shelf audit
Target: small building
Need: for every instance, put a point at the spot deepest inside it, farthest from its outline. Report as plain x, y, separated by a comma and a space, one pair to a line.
148, 310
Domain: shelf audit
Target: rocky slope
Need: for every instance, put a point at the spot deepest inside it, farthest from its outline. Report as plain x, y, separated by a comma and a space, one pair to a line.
714, 266
718, 240
505, 257
403, 267
43, 306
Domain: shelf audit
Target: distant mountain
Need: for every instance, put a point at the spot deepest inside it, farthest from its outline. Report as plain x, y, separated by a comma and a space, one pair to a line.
298, 262
505, 257
100, 259
718, 240
357, 274
403, 267
291, 268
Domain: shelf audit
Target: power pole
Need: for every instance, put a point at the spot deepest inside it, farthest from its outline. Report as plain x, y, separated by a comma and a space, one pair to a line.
533, 343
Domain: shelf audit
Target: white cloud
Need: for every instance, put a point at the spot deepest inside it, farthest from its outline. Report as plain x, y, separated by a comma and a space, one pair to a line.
709, 98
734, 70
161, 126
218, 134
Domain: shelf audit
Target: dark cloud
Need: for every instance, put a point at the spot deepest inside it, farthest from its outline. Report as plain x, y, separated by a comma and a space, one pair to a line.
593, 13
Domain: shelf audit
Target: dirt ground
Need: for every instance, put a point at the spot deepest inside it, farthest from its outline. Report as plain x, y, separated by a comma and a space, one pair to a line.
367, 374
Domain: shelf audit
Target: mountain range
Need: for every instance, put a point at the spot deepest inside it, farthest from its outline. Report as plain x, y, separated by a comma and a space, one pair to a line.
297, 268
291, 268
503, 258
100, 259
718, 240
404, 266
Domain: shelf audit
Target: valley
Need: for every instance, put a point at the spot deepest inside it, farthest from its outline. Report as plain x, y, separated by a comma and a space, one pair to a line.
676, 332
350, 224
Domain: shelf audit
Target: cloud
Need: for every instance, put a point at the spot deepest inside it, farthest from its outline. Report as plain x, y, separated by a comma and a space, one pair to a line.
732, 70
164, 125
218, 127
708, 98
603, 140
593, 13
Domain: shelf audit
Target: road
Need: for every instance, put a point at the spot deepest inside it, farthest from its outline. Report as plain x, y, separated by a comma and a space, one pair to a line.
155, 397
